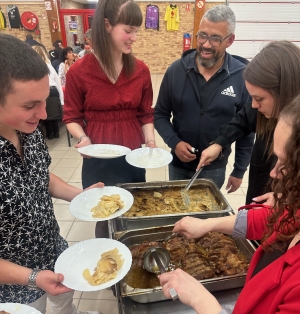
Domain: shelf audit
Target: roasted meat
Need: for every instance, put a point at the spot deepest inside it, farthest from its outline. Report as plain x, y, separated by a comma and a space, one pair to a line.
197, 266
213, 255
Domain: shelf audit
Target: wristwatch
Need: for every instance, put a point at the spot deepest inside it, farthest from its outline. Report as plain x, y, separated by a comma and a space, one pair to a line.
32, 280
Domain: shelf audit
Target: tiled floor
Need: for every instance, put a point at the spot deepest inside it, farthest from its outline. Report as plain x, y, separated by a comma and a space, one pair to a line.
66, 163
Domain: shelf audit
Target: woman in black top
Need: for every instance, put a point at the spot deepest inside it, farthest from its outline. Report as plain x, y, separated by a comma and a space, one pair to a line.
274, 72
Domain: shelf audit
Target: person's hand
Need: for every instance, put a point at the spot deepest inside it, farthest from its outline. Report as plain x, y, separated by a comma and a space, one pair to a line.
191, 227
75, 56
190, 291
183, 152
209, 154
267, 198
94, 186
233, 184
51, 282
85, 141
151, 144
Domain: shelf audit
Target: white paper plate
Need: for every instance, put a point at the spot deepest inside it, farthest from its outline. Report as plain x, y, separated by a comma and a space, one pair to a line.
142, 158
74, 260
17, 308
104, 151
81, 205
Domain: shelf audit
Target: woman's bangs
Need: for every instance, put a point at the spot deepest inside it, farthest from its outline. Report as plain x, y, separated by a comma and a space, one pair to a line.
131, 14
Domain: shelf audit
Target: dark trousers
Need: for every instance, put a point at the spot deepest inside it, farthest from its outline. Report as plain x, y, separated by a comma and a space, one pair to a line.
52, 126
110, 172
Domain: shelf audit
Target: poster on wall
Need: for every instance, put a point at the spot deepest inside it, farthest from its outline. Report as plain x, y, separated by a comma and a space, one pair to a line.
73, 27
48, 5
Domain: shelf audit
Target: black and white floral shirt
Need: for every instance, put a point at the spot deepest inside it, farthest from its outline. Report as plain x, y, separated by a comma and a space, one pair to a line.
29, 233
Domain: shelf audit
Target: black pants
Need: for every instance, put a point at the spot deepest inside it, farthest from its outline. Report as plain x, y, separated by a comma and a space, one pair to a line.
110, 172
261, 165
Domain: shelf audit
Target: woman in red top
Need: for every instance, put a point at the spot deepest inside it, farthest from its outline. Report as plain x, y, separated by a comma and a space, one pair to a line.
273, 279
108, 96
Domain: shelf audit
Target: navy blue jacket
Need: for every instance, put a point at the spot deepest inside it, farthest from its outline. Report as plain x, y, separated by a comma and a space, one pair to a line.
198, 125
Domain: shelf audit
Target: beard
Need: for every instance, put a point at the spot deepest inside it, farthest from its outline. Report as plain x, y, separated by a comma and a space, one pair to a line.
208, 63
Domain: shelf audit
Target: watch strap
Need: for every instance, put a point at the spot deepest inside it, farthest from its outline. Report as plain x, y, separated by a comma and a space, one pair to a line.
32, 279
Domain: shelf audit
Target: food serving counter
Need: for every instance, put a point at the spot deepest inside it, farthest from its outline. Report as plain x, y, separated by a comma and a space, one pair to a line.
230, 288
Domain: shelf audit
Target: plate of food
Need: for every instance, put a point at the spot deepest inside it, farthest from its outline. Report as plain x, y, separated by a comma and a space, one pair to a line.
149, 157
104, 151
17, 308
94, 264
101, 204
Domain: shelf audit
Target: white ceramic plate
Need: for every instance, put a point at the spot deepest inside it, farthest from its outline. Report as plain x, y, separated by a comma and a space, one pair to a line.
144, 158
81, 205
105, 151
74, 260
17, 308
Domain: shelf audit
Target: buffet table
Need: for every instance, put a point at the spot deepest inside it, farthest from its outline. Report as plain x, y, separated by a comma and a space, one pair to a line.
226, 298
229, 290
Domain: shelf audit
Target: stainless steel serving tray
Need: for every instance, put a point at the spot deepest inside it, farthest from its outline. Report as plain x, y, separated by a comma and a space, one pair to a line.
155, 294
129, 223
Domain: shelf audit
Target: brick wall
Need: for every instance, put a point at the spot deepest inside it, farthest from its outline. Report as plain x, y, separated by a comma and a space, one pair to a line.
40, 11
158, 49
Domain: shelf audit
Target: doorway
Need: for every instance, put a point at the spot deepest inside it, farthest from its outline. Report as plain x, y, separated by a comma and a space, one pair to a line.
74, 23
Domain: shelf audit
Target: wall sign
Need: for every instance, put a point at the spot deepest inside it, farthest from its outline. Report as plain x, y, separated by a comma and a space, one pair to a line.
48, 5
29, 20
73, 27
200, 4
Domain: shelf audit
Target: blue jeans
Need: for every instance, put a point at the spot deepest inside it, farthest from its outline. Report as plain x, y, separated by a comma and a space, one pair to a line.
216, 175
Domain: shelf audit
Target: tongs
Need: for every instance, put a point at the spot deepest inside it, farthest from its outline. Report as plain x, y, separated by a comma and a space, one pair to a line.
184, 192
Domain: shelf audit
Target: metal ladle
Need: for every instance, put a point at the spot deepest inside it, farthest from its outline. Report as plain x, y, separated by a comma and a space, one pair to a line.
156, 260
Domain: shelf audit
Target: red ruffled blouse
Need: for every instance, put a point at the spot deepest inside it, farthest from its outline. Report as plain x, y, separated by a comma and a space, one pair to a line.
109, 113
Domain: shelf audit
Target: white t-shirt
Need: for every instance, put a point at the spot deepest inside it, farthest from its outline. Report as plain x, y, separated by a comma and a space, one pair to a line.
55, 81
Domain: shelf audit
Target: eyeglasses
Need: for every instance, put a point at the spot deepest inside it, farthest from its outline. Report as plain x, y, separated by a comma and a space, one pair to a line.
213, 40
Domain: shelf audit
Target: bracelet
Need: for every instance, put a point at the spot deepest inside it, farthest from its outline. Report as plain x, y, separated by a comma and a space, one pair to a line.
32, 280
150, 141
81, 137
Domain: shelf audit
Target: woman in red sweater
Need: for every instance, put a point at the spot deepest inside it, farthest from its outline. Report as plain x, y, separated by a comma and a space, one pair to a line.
273, 279
109, 96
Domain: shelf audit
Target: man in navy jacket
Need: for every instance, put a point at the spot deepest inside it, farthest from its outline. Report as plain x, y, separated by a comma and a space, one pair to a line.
202, 91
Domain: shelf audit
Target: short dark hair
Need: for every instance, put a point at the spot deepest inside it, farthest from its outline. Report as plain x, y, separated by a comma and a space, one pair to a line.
64, 52
55, 44
19, 62
29, 37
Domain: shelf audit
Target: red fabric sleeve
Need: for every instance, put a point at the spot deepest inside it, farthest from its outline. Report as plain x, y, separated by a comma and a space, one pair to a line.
145, 113
74, 100
256, 223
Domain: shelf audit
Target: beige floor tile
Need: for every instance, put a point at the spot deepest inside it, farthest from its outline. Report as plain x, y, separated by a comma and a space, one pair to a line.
64, 172
155, 176
104, 306
105, 294
81, 230
57, 153
59, 201
72, 154
62, 212
68, 163
75, 301
54, 162
235, 201
65, 227
76, 175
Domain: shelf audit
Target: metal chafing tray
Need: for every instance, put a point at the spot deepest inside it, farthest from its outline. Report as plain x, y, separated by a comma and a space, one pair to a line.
155, 294
129, 223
